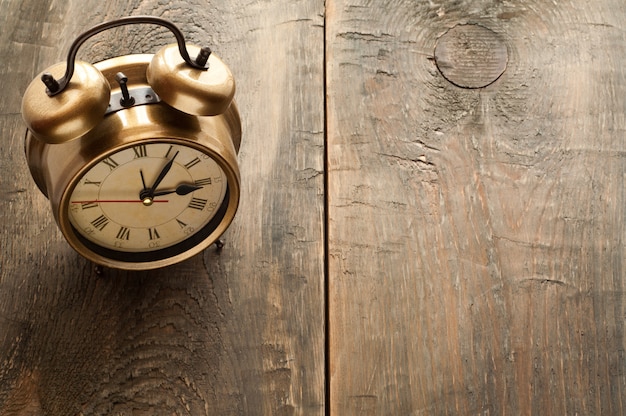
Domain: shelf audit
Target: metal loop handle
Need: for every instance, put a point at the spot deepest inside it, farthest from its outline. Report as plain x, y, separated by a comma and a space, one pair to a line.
54, 86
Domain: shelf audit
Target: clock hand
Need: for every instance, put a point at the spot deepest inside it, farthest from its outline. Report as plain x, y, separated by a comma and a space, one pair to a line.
149, 194
101, 201
143, 181
182, 189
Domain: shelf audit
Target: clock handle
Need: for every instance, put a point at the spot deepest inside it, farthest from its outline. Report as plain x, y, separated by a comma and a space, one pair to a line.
55, 86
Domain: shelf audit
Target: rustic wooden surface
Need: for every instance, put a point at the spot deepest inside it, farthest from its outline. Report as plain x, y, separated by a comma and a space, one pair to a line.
240, 332
404, 246
476, 236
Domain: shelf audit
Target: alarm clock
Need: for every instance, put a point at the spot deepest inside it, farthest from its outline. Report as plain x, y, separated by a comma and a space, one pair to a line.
137, 154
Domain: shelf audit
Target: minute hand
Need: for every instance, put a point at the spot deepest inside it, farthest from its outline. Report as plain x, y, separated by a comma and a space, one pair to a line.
182, 189
162, 174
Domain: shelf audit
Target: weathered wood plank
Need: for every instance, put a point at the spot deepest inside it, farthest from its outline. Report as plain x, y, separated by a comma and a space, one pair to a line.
476, 236
239, 332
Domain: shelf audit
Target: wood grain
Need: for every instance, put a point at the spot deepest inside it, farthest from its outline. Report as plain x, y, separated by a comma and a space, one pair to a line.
229, 333
476, 237
471, 56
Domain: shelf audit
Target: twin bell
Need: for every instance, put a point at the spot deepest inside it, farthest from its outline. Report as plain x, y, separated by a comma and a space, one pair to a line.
71, 98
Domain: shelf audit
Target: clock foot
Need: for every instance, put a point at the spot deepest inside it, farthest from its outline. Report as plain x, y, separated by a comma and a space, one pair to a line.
219, 244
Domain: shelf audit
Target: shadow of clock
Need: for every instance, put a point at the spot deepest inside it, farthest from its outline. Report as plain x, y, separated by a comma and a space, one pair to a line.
119, 342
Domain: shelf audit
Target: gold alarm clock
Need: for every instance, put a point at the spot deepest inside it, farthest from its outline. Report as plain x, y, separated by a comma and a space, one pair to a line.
137, 154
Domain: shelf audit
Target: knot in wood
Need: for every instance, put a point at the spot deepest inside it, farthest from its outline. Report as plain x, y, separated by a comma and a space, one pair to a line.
471, 56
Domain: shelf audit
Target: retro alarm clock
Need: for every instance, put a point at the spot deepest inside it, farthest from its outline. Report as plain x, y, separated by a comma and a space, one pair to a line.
138, 153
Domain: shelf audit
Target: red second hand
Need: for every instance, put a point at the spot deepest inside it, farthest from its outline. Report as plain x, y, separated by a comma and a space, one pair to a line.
99, 201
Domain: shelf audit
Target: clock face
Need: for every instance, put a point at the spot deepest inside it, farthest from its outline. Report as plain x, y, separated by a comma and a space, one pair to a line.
149, 201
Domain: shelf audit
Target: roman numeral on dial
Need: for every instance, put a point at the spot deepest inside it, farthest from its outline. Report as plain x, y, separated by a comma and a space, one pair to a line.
203, 182
140, 151
112, 164
192, 163
100, 222
88, 182
154, 234
197, 203
87, 205
123, 234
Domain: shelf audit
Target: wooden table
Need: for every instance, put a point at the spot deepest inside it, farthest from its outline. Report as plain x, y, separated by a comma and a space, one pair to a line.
432, 219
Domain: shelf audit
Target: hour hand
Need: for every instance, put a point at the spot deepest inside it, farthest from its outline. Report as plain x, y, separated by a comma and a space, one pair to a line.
182, 189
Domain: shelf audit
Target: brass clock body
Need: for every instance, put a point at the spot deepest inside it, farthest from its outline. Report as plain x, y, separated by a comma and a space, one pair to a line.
145, 184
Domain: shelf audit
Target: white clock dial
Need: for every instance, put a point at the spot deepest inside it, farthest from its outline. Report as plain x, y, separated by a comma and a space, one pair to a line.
147, 197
